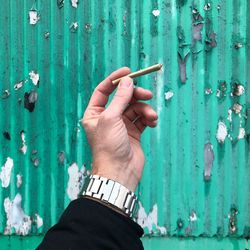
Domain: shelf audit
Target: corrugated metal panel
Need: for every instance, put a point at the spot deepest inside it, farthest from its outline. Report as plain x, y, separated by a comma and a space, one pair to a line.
204, 47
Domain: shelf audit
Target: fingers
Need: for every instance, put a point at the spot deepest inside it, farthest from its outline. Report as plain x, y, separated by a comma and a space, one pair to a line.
141, 94
142, 110
122, 97
142, 123
105, 88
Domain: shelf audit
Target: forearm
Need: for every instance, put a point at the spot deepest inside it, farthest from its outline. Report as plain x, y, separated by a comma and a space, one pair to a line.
88, 224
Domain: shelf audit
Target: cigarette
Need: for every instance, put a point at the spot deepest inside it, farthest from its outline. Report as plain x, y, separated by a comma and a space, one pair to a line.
141, 72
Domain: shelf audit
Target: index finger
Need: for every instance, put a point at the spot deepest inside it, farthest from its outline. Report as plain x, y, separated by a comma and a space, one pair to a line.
105, 88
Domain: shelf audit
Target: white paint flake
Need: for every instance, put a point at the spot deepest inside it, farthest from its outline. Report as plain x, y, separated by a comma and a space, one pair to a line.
156, 12
76, 180
16, 218
242, 133
230, 112
19, 180
169, 95
193, 217
150, 221
34, 17
39, 221
74, 3
19, 84
34, 77
74, 26
5, 173
24, 147
221, 132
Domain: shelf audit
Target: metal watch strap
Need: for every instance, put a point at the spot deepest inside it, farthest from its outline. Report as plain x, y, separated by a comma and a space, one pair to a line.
111, 192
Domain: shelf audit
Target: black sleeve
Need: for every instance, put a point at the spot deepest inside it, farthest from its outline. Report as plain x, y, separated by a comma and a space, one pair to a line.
87, 224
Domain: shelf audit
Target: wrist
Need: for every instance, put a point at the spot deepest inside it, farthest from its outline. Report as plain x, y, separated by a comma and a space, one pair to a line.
111, 193
123, 175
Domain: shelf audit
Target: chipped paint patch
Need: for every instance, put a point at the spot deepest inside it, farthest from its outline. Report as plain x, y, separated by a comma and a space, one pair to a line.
169, 95
34, 77
5, 94
30, 100
38, 220
242, 133
74, 3
19, 180
156, 12
19, 84
24, 147
221, 132
193, 217
34, 17
16, 218
5, 173
73, 26
76, 180
150, 221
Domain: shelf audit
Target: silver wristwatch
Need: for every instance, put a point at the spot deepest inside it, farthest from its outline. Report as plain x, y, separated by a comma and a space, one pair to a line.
112, 193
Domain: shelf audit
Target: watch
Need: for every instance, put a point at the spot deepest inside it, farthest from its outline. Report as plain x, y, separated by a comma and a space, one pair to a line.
111, 193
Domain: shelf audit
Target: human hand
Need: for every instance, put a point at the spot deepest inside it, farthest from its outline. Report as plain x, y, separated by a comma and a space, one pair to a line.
114, 132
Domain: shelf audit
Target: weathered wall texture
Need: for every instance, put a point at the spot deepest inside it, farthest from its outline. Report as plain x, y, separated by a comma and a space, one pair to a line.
53, 54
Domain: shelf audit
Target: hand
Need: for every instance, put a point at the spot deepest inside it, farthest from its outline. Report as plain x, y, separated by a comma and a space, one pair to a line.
114, 132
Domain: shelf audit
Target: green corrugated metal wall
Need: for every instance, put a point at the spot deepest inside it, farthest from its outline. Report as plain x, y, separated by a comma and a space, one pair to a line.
197, 176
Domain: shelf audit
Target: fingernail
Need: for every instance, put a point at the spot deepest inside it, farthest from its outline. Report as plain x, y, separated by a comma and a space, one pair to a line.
125, 82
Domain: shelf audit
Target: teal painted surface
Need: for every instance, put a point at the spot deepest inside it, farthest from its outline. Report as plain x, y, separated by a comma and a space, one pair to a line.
159, 243
111, 34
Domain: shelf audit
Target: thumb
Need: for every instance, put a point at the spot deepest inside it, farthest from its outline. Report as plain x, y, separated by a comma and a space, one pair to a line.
122, 97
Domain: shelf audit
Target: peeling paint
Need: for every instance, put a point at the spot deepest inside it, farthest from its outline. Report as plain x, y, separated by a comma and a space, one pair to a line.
19, 180
61, 157
74, 3
208, 91
150, 221
169, 95
38, 220
5, 94
221, 132
76, 179
222, 89
5, 173
237, 89
34, 17
6, 135
193, 217
182, 62
73, 26
232, 216
19, 84
16, 218
60, 3
209, 160
207, 6
237, 108
30, 100
34, 77
242, 133
156, 12
24, 147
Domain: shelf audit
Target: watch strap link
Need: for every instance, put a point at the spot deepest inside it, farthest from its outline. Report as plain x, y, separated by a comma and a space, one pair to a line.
113, 193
